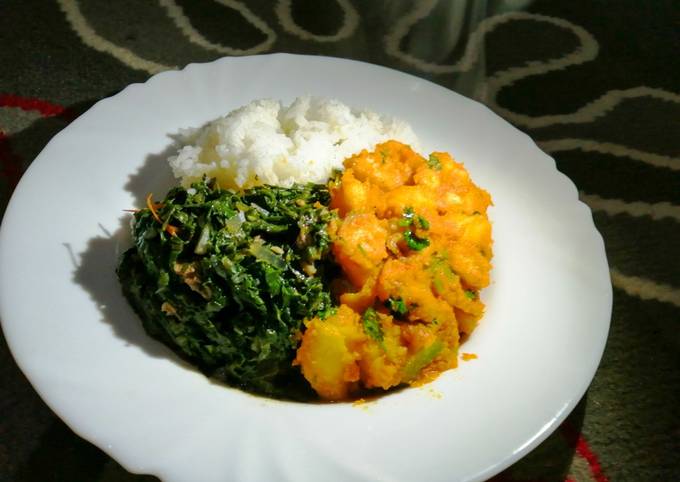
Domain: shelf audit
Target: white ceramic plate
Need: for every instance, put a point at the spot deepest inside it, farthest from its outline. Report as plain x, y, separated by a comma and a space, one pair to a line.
82, 348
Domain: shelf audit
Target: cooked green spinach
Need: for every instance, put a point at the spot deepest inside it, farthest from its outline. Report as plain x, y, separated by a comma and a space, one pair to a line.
226, 279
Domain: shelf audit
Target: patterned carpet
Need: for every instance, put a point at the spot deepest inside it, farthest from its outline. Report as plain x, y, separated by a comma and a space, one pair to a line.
594, 83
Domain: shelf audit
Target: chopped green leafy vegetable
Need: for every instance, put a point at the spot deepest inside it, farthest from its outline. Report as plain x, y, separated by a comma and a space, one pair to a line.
372, 324
421, 359
423, 223
397, 307
409, 218
229, 287
415, 242
470, 295
438, 285
434, 162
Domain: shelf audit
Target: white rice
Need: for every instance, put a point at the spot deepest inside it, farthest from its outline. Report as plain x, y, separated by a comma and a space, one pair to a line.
267, 143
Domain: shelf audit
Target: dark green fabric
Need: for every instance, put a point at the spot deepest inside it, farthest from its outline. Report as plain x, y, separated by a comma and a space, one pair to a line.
626, 427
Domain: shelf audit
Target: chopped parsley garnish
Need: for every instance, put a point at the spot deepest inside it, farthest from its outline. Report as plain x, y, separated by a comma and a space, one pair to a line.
372, 324
470, 295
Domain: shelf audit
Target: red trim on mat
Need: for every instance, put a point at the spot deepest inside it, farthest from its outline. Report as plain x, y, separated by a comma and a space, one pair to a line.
584, 450
46, 109
10, 163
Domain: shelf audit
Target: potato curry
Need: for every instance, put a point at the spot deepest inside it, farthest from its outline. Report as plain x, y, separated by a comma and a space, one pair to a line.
413, 240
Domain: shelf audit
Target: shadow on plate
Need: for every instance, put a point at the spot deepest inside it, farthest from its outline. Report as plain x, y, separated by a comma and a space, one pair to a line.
94, 268
154, 176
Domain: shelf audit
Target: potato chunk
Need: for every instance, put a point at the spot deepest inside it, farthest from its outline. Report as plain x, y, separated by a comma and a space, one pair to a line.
328, 356
359, 246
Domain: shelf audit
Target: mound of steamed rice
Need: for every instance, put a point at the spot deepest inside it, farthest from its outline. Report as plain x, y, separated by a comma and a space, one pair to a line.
265, 142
